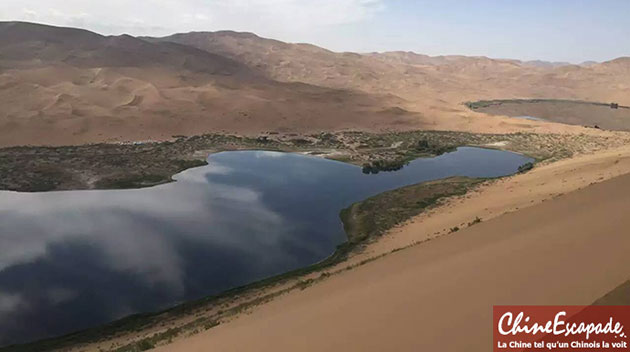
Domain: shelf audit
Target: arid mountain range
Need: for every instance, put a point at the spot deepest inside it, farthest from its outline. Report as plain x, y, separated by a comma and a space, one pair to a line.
71, 86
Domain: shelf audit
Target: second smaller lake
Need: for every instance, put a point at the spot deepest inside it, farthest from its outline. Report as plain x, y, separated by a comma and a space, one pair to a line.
581, 113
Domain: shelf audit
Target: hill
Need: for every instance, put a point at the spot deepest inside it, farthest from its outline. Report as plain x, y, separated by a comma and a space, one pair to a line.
435, 86
71, 86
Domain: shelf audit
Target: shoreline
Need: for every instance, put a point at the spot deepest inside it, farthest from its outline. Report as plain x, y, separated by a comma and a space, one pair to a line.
126, 166
398, 298
560, 177
491, 200
244, 299
254, 293
511, 194
588, 114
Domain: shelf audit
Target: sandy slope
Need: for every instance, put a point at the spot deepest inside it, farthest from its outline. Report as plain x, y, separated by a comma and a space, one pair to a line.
507, 195
61, 86
435, 87
71, 86
438, 296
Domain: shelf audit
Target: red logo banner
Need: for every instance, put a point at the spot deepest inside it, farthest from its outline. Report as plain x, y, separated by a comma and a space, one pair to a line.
561, 328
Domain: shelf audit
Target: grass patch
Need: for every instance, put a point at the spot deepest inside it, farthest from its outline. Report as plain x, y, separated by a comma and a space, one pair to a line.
167, 336
115, 166
525, 167
375, 215
377, 166
132, 181
476, 221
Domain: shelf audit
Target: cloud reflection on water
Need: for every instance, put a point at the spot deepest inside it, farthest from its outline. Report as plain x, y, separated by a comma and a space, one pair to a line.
123, 223
82, 258
134, 232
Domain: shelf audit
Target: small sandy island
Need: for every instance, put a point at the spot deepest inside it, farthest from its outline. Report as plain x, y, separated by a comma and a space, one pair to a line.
571, 216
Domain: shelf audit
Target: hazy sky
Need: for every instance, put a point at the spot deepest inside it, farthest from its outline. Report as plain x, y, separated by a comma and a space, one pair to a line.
558, 30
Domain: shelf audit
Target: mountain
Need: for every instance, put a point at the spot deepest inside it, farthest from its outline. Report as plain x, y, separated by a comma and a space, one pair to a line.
589, 63
72, 86
435, 87
545, 64
69, 86
28, 45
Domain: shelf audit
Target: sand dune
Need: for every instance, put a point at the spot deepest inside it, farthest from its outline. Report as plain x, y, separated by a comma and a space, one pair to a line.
433, 86
71, 86
438, 296
120, 88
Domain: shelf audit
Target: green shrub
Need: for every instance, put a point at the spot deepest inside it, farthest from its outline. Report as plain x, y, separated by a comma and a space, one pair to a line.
525, 167
476, 221
145, 345
383, 165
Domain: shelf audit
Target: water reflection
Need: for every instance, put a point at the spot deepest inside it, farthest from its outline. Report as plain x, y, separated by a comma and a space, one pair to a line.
70, 260
527, 117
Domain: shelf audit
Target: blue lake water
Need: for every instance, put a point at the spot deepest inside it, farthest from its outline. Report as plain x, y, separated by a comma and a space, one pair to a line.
72, 260
527, 117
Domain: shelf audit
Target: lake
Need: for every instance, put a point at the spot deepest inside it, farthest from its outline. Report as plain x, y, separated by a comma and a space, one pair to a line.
76, 259
580, 113
531, 118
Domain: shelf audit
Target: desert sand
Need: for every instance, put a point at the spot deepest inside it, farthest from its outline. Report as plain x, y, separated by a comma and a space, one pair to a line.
507, 195
438, 295
64, 86
61, 86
